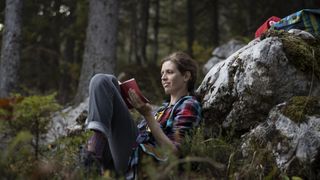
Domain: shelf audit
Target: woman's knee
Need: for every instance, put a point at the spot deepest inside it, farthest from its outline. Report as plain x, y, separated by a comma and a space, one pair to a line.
101, 79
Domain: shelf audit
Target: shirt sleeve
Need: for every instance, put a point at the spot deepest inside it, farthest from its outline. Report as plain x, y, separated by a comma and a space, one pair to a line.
186, 117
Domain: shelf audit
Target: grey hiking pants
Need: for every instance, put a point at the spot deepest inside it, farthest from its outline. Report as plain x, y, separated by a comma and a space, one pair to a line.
109, 115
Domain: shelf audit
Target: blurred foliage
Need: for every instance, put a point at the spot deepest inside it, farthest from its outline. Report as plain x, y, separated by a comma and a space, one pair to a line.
32, 114
17, 160
63, 156
52, 47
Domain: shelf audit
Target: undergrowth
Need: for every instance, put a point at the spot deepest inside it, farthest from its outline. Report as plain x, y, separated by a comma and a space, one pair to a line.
202, 157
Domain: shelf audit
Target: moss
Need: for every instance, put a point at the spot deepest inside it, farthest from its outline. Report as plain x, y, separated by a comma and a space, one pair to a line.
303, 54
300, 106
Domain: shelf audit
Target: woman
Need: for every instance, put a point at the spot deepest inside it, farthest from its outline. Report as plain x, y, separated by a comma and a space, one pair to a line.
116, 142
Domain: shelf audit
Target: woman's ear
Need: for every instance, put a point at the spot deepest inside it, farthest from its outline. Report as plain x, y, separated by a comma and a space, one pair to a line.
187, 76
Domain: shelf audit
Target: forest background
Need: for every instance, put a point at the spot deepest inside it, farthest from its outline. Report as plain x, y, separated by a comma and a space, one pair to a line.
53, 45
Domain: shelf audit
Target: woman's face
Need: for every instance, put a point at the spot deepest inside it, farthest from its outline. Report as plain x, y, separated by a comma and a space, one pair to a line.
172, 80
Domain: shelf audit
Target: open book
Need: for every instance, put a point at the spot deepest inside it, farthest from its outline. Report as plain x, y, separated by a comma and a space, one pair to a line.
131, 84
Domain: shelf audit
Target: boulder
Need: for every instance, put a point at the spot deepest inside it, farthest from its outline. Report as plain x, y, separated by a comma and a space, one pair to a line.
239, 92
292, 134
68, 121
222, 52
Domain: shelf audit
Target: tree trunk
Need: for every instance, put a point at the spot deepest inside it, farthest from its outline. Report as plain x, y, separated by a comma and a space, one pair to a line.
100, 45
68, 57
172, 15
142, 31
37, 134
190, 27
156, 32
133, 33
10, 51
215, 22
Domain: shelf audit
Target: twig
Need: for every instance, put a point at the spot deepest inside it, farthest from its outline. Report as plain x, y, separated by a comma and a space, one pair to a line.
311, 86
229, 163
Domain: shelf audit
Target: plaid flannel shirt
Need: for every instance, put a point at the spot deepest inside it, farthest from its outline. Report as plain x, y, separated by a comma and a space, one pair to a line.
175, 121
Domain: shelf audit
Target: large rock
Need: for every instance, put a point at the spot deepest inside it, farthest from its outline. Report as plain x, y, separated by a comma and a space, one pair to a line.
222, 52
67, 121
239, 92
292, 134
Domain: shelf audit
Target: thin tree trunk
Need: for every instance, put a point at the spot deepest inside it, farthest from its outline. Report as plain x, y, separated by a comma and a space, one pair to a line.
133, 33
171, 22
215, 22
10, 51
190, 27
156, 32
100, 45
37, 139
68, 57
142, 31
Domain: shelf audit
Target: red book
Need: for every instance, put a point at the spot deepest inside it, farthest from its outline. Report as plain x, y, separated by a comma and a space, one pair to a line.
131, 84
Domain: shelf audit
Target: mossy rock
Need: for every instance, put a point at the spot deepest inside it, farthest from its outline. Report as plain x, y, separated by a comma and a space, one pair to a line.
304, 54
299, 107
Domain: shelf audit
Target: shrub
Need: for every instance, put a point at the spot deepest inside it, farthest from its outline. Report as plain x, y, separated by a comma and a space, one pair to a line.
33, 114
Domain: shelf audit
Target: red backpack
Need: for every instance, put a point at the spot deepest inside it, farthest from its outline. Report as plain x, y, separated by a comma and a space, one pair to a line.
266, 25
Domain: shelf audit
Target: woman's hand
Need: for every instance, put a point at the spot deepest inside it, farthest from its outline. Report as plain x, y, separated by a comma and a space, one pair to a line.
143, 108
146, 110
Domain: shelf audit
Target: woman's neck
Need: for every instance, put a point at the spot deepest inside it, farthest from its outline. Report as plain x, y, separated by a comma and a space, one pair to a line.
175, 97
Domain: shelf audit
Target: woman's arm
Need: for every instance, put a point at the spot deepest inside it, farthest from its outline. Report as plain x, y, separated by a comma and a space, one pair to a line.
146, 110
160, 137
